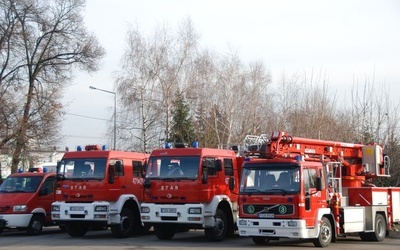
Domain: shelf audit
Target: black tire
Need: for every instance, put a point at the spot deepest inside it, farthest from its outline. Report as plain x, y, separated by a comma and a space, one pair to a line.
260, 240
76, 229
36, 225
379, 233
163, 232
126, 226
218, 232
325, 234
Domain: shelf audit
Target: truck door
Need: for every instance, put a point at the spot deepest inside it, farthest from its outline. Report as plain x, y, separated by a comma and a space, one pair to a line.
137, 181
46, 195
313, 199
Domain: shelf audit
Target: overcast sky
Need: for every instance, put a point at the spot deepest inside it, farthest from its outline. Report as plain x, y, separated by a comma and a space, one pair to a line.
349, 40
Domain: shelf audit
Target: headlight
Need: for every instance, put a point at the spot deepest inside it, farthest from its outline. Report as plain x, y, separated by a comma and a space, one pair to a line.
145, 210
195, 210
20, 208
55, 208
101, 208
292, 223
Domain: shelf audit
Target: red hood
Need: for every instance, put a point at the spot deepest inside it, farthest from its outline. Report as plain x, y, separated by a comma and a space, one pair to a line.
11, 199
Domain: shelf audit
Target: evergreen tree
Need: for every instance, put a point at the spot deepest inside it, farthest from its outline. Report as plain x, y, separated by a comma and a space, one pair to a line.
182, 129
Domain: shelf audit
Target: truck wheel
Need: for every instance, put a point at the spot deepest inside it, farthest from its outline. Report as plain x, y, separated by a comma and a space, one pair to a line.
36, 225
260, 240
163, 232
218, 232
380, 230
126, 226
76, 229
325, 234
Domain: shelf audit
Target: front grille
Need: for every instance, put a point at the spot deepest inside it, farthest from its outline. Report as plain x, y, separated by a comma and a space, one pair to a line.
276, 209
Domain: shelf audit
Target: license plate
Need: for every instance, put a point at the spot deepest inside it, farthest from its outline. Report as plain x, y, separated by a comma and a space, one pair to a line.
76, 208
266, 216
168, 210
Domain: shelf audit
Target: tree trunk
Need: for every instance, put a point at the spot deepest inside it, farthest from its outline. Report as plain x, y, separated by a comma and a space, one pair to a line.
21, 137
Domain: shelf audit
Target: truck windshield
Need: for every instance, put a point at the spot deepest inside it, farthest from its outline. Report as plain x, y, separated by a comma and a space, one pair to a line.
93, 169
270, 179
20, 184
173, 168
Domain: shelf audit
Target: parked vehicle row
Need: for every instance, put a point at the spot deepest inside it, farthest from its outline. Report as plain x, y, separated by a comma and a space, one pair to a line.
273, 187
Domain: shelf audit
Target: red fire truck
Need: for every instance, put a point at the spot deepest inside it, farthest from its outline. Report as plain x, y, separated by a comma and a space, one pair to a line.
99, 189
192, 188
25, 200
302, 188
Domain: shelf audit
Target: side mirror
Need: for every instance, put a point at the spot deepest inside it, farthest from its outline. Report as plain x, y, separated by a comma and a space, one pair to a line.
60, 177
231, 183
58, 167
144, 169
111, 174
308, 202
204, 178
218, 165
318, 184
118, 167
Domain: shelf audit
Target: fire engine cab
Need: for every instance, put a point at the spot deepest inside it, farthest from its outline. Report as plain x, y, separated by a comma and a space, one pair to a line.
25, 200
192, 188
301, 188
99, 188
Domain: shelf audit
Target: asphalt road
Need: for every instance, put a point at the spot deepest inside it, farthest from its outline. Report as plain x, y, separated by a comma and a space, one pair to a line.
53, 238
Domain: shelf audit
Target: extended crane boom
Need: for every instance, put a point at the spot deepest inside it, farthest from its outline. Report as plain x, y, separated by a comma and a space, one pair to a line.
359, 161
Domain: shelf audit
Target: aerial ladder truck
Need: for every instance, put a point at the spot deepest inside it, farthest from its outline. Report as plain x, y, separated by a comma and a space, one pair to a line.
320, 190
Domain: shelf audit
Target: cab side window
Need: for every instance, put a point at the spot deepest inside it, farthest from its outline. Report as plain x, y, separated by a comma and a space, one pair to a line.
309, 177
209, 164
228, 167
119, 167
138, 169
48, 186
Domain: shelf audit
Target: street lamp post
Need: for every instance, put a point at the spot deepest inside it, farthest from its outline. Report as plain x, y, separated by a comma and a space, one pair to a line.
115, 112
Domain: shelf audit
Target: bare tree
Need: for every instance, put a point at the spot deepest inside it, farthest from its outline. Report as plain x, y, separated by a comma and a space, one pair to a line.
153, 70
230, 98
43, 42
376, 120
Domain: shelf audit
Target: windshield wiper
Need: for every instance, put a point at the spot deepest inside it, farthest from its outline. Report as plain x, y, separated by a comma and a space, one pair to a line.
251, 191
284, 191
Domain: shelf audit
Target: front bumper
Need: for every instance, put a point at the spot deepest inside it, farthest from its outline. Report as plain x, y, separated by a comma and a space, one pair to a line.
15, 220
275, 228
